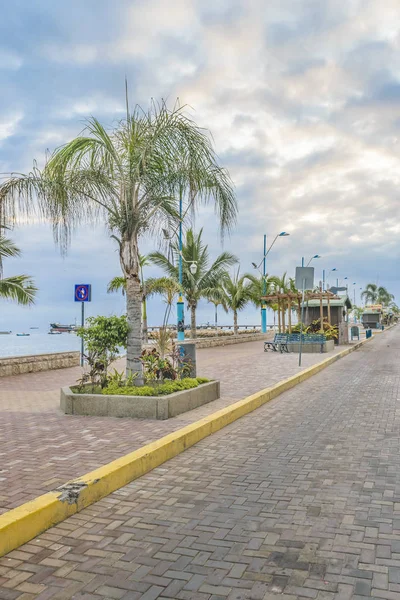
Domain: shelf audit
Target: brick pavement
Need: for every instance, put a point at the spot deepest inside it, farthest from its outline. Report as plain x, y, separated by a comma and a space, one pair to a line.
300, 499
41, 448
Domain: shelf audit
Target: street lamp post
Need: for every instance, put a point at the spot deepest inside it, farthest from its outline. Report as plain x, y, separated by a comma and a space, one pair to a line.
180, 305
354, 292
264, 277
264, 306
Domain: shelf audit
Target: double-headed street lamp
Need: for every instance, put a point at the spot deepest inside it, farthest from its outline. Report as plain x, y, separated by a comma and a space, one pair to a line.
264, 275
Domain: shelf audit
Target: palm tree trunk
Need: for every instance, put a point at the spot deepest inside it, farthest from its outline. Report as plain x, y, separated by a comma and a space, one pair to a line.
129, 258
290, 315
145, 332
134, 313
193, 332
235, 323
283, 315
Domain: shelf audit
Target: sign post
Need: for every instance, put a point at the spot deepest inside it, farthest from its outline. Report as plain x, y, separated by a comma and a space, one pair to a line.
83, 293
304, 281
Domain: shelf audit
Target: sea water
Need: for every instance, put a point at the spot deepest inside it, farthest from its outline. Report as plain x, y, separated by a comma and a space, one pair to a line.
38, 342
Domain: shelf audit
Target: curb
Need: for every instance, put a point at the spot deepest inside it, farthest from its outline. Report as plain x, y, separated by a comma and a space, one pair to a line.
21, 524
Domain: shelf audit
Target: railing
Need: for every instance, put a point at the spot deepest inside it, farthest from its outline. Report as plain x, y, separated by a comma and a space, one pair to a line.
209, 326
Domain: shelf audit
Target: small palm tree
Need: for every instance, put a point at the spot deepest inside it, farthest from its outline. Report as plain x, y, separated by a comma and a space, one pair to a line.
205, 280
235, 294
19, 288
168, 288
370, 294
131, 178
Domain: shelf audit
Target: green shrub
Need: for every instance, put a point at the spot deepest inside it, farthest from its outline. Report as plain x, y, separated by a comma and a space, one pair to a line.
169, 387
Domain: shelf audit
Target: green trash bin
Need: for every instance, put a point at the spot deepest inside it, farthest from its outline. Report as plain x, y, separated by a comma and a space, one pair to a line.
368, 333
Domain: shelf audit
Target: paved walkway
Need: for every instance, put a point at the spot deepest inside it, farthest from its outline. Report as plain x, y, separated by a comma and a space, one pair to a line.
300, 499
41, 448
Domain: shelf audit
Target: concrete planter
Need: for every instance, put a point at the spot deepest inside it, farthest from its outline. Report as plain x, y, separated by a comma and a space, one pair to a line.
313, 348
138, 407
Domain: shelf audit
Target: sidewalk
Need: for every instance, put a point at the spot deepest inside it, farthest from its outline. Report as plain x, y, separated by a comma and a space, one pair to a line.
41, 448
299, 499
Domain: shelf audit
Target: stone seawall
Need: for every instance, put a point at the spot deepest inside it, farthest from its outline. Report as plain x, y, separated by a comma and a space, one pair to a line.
17, 365
228, 340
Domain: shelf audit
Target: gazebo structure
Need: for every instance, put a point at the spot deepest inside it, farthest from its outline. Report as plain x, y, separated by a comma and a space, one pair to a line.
320, 298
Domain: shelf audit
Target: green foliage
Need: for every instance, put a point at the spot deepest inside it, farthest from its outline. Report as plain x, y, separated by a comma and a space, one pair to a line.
330, 331
18, 288
103, 339
158, 390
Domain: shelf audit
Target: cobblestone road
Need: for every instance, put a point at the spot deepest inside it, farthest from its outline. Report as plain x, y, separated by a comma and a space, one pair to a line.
300, 499
41, 448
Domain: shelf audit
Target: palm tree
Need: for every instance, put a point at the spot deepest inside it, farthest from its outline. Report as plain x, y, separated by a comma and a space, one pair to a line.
131, 178
205, 280
370, 294
19, 288
235, 293
384, 297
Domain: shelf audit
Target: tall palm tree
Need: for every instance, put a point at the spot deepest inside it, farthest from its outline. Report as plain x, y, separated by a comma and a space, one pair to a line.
19, 288
370, 294
235, 294
205, 280
131, 178
258, 289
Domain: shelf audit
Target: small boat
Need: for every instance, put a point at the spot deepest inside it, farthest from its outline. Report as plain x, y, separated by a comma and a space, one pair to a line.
33, 327
22, 334
55, 332
5, 332
62, 328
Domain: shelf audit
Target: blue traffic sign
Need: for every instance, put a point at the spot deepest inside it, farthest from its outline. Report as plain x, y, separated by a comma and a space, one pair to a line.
83, 292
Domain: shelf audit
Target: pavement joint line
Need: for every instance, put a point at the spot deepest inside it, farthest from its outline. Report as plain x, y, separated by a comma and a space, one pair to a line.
19, 525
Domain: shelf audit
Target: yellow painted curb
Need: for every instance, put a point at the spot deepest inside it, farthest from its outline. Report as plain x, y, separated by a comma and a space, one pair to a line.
25, 522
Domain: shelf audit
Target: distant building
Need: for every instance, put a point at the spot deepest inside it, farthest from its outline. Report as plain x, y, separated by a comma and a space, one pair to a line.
338, 309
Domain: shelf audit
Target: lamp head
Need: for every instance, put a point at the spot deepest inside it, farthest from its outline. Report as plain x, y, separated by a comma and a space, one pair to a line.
335, 269
254, 265
345, 277
316, 256
283, 234
193, 268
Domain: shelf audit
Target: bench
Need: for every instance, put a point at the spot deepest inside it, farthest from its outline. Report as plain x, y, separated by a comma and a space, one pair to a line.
279, 343
283, 340
307, 339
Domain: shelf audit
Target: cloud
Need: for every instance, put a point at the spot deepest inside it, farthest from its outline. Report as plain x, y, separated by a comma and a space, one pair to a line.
302, 99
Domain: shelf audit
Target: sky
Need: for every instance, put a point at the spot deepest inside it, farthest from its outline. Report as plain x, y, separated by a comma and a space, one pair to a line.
302, 99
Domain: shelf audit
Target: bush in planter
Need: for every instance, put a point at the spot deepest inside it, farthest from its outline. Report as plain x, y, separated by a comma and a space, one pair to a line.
103, 338
169, 387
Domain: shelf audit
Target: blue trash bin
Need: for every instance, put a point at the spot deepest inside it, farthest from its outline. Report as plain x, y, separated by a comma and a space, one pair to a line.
368, 333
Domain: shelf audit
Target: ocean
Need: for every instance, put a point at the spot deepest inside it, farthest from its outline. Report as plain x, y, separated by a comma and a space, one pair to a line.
38, 342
